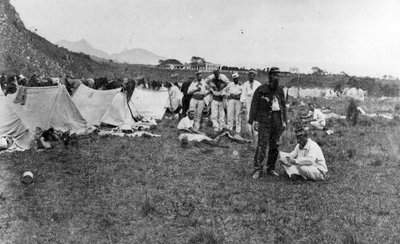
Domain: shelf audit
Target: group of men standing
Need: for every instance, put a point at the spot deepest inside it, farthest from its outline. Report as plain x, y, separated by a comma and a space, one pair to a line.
224, 94
266, 118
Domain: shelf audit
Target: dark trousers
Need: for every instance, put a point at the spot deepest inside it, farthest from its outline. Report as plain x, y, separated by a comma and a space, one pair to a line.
185, 104
268, 135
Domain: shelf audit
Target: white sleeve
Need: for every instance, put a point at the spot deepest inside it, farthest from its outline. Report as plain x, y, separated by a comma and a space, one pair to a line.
191, 88
295, 152
224, 78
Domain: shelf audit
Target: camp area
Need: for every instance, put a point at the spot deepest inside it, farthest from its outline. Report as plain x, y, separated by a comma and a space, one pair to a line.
147, 189
199, 122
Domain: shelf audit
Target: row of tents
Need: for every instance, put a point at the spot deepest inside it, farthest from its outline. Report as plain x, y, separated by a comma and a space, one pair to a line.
53, 107
47, 107
349, 92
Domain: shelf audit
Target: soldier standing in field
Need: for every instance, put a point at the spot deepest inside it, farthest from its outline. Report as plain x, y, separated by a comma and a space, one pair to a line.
268, 115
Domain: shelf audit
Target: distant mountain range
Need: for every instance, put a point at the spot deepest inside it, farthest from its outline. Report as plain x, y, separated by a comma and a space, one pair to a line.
132, 56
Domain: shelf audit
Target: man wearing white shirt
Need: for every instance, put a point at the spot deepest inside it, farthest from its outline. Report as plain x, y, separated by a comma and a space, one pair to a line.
186, 130
248, 90
306, 160
317, 119
217, 83
233, 92
198, 90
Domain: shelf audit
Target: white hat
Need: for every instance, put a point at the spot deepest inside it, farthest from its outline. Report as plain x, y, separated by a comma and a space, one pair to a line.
235, 75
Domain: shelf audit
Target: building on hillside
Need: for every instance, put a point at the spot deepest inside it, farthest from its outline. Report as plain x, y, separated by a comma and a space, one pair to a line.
172, 64
207, 66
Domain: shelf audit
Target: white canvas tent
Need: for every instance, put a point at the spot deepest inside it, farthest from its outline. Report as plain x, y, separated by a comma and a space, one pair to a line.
93, 103
111, 106
296, 92
11, 125
352, 92
47, 107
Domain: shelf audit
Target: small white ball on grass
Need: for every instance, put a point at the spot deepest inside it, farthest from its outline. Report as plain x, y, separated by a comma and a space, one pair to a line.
27, 177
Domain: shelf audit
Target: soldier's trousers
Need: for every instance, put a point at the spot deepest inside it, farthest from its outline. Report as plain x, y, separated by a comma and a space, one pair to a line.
268, 136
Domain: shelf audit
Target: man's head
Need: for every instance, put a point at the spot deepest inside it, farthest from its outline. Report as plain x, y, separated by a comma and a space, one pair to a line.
199, 76
273, 76
168, 85
190, 114
216, 73
251, 75
235, 78
302, 137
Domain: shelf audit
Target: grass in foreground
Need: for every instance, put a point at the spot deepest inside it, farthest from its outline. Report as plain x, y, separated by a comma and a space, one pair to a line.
150, 190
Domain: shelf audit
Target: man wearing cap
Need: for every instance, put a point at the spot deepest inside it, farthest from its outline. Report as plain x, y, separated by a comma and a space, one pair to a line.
268, 115
248, 90
233, 92
198, 90
306, 160
217, 83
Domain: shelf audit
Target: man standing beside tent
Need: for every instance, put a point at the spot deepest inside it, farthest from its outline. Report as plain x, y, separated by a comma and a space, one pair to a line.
186, 97
198, 89
249, 88
217, 83
233, 92
268, 115
174, 99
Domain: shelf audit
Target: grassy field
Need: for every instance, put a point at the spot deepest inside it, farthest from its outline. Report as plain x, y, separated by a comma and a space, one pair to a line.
151, 190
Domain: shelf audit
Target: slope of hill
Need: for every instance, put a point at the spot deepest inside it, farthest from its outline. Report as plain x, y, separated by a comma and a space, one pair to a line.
22, 51
83, 46
137, 56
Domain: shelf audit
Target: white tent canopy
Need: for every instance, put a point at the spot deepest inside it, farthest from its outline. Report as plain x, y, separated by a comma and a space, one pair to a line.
47, 107
12, 125
111, 106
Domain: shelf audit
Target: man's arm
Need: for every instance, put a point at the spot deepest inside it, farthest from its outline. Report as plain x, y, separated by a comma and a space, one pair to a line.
224, 78
254, 106
193, 130
193, 88
208, 79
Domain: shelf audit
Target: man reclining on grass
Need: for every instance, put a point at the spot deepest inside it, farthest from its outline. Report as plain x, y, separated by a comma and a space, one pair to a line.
306, 160
186, 129
316, 118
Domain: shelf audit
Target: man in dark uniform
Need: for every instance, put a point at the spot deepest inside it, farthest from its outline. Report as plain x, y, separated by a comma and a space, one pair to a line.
268, 113
186, 97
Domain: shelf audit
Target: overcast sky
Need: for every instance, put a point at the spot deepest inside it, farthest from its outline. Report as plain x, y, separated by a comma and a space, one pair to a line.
360, 37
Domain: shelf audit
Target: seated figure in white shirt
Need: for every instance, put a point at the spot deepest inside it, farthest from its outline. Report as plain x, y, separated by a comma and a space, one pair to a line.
316, 117
186, 129
306, 160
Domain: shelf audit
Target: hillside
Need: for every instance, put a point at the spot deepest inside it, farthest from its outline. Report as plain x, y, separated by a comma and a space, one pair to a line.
83, 46
137, 56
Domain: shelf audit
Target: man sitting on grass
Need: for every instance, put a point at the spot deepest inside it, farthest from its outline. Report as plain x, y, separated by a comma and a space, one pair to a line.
186, 129
306, 160
316, 118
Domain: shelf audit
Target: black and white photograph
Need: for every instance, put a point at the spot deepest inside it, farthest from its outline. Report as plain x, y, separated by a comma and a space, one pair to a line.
204, 122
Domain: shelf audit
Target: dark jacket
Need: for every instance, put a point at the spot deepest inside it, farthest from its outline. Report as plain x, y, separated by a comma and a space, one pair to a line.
262, 103
185, 88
